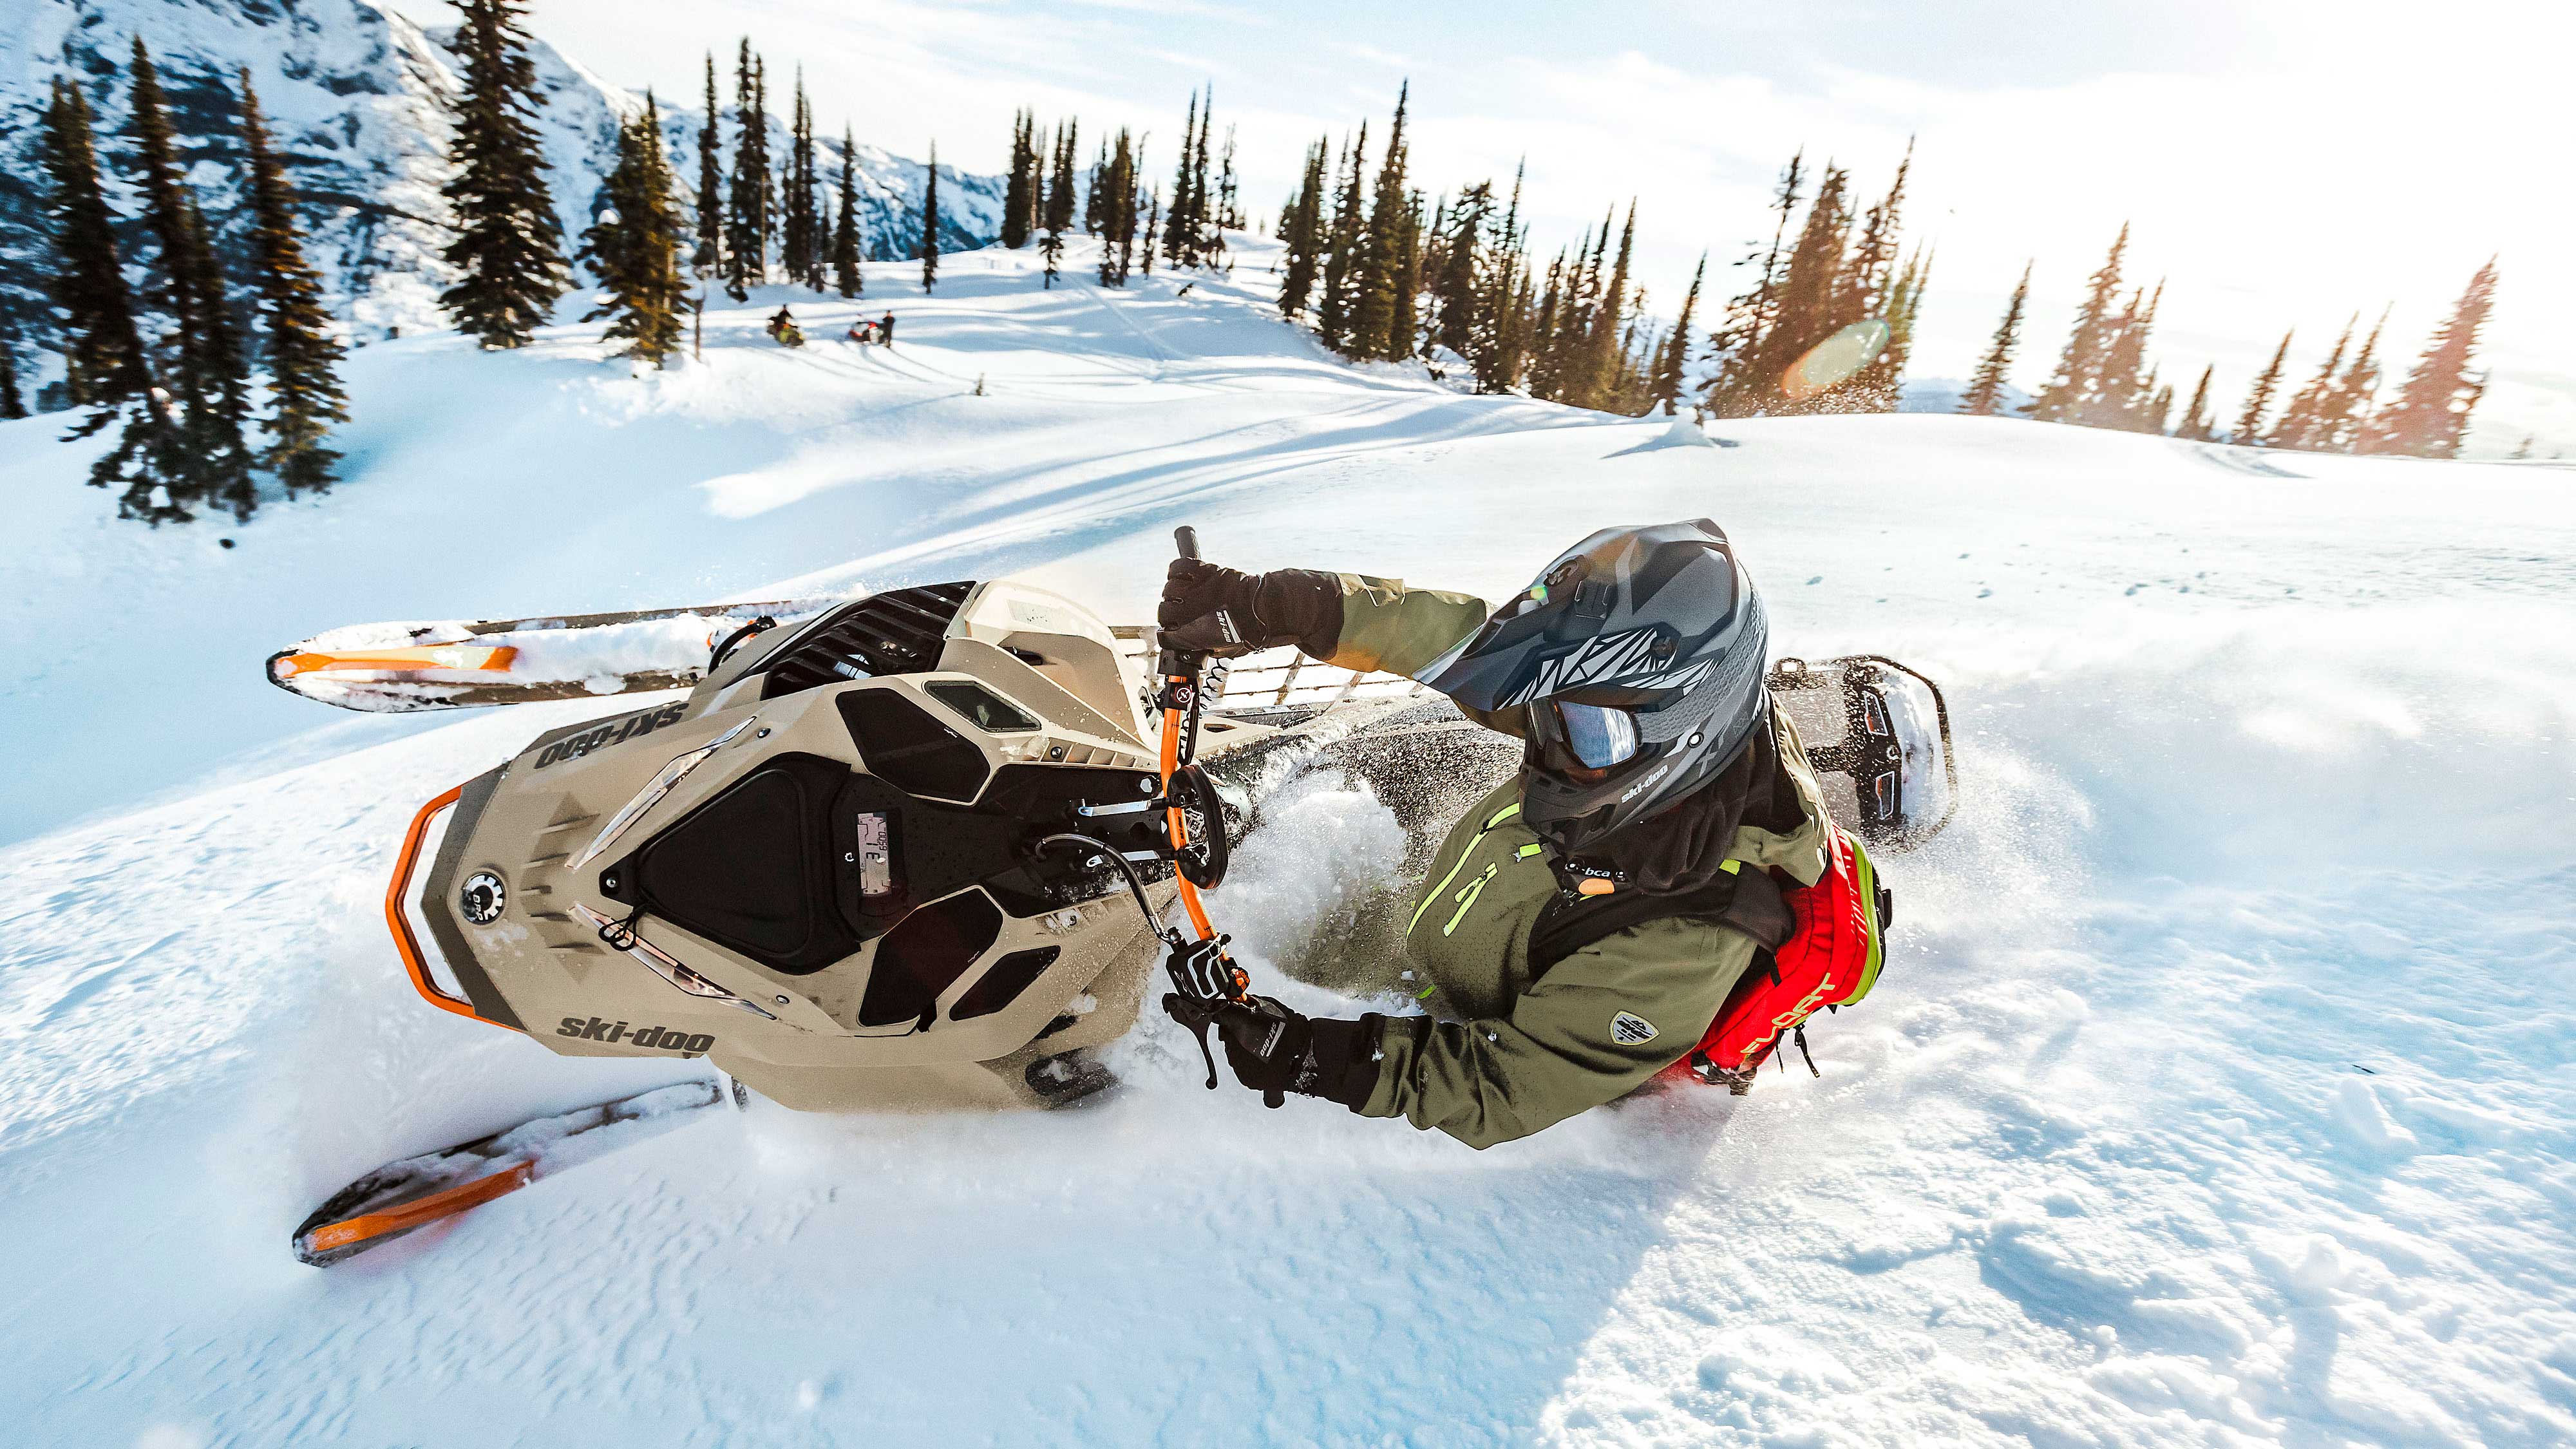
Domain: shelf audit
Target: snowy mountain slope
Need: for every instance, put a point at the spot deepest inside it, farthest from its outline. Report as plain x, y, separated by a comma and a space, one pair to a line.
356, 94
2217, 1093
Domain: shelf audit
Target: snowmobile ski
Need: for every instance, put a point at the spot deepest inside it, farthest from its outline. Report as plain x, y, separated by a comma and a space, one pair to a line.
403, 1197
398, 668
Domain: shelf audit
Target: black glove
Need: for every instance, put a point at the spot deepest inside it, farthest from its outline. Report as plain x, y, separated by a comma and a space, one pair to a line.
1210, 609
1275, 1050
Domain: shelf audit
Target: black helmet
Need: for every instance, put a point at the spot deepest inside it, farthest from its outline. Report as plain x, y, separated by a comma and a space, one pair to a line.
1638, 655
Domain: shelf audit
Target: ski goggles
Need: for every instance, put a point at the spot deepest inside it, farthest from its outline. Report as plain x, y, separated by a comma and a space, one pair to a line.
1584, 736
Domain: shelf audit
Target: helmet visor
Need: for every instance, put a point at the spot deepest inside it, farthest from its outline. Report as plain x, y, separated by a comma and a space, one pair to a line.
1587, 735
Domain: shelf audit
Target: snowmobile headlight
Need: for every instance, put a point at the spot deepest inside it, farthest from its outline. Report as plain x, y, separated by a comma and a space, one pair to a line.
661, 785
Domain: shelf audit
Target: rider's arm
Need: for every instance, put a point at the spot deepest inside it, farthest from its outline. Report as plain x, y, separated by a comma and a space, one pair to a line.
1569, 1043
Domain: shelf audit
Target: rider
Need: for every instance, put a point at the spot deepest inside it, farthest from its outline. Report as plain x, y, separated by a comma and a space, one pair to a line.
1653, 762
780, 321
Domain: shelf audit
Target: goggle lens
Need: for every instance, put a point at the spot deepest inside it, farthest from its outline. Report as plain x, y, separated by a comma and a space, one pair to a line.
1598, 738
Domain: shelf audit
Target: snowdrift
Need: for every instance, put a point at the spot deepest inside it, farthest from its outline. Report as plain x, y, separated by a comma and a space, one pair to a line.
2216, 1091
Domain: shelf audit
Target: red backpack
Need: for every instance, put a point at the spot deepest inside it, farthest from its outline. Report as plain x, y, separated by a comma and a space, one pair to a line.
1821, 947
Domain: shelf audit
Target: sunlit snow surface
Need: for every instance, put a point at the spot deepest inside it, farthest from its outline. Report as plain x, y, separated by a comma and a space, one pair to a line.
2217, 1091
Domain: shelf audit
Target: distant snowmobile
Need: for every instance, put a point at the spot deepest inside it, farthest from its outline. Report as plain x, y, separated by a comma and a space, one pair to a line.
890, 851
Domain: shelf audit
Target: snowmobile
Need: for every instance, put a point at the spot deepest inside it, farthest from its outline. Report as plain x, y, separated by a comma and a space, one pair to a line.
890, 852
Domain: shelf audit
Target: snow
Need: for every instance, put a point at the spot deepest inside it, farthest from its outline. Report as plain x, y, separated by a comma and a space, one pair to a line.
2216, 1091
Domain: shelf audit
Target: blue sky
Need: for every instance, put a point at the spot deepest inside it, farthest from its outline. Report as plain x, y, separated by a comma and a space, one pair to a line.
2284, 163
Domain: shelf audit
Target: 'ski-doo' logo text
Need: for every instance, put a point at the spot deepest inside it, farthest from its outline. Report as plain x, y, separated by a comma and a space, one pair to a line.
616, 731
615, 1033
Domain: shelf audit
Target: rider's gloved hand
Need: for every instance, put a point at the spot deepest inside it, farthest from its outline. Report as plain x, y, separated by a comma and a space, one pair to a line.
1211, 609
1274, 1049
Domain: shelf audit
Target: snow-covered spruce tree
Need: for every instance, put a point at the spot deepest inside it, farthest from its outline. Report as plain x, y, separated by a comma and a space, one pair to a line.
1302, 229
508, 246
708, 259
846, 276
102, 351
634, 246
1674, 359
303, 356
2249, 424
13, 403
2430, 413
1985, 395
930, 223
203, 353
747, 210
2197, 424
2078, 383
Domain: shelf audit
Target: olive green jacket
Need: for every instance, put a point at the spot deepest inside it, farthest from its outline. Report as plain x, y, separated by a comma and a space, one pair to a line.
1512, 1055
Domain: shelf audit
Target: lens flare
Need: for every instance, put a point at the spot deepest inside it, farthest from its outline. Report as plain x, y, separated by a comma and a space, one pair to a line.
1833, 361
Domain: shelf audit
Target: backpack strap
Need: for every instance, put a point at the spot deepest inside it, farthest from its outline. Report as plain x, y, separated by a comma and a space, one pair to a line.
1746, 901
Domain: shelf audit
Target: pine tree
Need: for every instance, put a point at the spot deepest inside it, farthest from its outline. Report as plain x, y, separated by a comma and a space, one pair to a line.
2077, 387
747, 215
1378, 267
2123, 393
1742, 343
1017, 203
2430, 413
1180, 239
1059, 202
1608, 348
930, 223
1455, 285
2303, 421
635, 246
304, 392
800, 233
2347, 403
847, 278
1228, 217
1404, 328
13, 406
2249, 425
1985, 393
1808, 290
1674, 358
210, 381
1333, 312
102, 350
508, 246
708, 259
1153, 208
2197, 425
1302, 229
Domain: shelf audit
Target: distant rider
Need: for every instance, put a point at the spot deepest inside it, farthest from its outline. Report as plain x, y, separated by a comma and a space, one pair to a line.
1653, 762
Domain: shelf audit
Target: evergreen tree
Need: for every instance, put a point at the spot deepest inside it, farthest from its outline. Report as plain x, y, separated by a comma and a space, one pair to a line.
1228, 217
303, 385
1153, 207
508, 246
211, 383
2303, 422
800, 233
634, 246
1095, 201
1302, 229
846, 276
2249, 425
930, 224
1985, 394
102, 351
1377, 269
1674, 359
2123, 393
2159, 407
13, 405
1180, 239
747, 215
1601, 381
1741, 344
1809, 288
1333, 313
1018, 203
1059, 203
2342, 416
708, 259
1404, 328
2430, 413
1455, 286
2076, 389
2197, 424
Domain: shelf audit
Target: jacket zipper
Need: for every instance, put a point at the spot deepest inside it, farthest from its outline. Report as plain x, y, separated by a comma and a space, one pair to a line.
1466, 897
1498, 817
